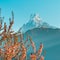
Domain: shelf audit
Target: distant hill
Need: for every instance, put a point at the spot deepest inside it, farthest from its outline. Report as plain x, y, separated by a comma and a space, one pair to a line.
50, 38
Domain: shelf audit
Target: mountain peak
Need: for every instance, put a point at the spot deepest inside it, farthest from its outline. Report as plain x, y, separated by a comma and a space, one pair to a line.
35, 18
34, 22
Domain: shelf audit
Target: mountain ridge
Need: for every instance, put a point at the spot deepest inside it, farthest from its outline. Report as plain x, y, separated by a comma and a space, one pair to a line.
35, 22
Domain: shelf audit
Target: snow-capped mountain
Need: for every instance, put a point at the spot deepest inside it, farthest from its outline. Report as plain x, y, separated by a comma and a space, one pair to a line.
34, 22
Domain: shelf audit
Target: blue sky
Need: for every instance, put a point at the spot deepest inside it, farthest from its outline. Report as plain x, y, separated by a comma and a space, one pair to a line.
49, 11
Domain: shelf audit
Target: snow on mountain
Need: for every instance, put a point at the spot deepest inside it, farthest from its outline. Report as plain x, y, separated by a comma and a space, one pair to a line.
34, 22
36, 19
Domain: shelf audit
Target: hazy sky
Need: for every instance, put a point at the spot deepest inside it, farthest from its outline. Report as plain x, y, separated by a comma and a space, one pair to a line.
49, 11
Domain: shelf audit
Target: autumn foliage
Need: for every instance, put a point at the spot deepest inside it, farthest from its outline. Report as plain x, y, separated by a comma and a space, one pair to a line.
12, 49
